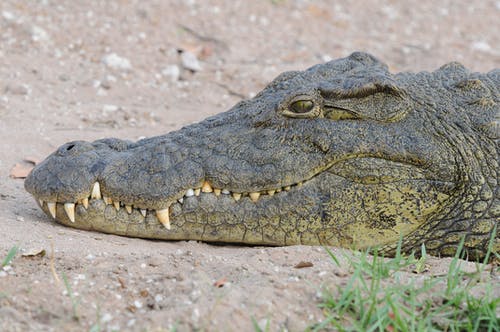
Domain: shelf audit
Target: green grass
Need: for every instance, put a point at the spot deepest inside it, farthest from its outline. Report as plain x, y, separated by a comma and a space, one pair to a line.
257, 328
375, 297
10, 256
74, 301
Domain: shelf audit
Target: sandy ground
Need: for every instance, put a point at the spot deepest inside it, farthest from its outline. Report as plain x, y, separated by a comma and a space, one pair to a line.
74, 70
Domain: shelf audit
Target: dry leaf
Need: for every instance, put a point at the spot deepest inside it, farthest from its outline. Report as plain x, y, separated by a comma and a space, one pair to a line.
303, 264
20, 171
122, 282
201, 51
34, 252
319, 12
221, 282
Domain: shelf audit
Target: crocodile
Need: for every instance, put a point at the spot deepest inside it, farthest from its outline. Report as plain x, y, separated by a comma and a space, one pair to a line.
342, 154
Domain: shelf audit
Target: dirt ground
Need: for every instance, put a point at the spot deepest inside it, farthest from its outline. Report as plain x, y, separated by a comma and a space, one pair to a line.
72, 70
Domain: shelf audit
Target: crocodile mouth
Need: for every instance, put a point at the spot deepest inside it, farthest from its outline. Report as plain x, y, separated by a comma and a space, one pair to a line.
363, 170
163, 215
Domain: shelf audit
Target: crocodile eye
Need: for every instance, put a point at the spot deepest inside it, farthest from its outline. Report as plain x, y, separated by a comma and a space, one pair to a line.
302, 106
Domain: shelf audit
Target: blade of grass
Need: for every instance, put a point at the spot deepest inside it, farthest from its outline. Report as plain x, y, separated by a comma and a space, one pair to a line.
10, 255
74, 302
332, 255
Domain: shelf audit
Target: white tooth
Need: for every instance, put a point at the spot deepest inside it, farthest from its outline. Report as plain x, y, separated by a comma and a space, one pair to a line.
163, 217
52, 208
197, 192
271, 192
236, 196
217, 192
70, 211
180, 200
287, 188
117, 205
278, 190
143, 212
254, 196
107, 200
96, 191
189, 193
128, 208
85, 203
225, 192
41, 202
206, 188
299, 184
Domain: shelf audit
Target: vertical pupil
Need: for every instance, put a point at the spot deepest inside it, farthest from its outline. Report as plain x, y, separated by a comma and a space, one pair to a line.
302, 106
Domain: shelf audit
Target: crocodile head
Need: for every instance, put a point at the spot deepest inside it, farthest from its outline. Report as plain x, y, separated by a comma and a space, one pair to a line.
344, 153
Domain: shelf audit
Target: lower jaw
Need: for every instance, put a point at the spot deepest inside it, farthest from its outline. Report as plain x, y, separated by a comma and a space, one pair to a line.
324, 211
205, 217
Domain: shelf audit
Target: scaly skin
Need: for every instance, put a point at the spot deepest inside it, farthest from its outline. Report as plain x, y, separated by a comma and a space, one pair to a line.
342, 154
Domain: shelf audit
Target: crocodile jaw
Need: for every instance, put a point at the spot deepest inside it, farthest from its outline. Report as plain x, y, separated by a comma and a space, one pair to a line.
307, 212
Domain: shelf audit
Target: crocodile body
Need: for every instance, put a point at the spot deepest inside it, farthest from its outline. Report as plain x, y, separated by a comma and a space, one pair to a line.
343, 153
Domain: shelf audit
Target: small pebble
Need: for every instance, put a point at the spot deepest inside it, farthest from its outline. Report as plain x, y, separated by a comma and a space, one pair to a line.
481, 46
115, 61
8, 16
110, 108
172, 72
18, 89
190, 62
39, 35
106, 318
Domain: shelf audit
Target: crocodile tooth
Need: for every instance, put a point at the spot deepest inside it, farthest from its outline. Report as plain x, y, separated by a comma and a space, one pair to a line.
163, 217
52, 208
96, 191
206, 188
189, 193
271, 192
299, 184
128, 208
254, 196
287, 188
225, 192
278, 190
217, 192
197, 192
41, 202
117, 205
70, 211
85, 202
143, 212
107, 200
236, 196
180, 200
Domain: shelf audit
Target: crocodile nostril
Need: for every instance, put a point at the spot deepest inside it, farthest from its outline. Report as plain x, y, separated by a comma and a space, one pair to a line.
74, 148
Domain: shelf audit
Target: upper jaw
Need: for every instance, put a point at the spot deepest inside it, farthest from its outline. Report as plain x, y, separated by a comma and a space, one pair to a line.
162, 213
